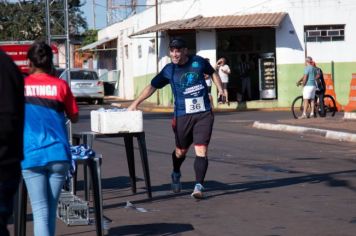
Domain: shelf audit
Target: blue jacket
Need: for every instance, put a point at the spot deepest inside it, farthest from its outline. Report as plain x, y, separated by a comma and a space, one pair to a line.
47, 99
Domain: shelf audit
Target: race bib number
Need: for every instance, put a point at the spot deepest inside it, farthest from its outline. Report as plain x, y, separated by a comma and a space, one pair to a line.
194, 105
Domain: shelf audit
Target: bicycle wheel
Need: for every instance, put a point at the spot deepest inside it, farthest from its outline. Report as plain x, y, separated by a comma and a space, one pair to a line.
319, 105
297, 107
329, 105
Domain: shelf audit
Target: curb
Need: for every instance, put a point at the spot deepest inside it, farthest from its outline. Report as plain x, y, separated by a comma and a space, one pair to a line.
350, 115
328, 134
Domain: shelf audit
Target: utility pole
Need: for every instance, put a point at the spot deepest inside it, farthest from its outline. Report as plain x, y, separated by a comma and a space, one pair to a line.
48, 25
305, 45
52, 8
94, 16
156, 44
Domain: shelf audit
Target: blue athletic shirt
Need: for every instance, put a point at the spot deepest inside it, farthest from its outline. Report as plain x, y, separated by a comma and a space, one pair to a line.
188, 85
310, 72
47, 99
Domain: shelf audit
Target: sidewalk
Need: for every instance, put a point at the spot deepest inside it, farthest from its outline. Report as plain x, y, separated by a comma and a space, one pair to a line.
336, 128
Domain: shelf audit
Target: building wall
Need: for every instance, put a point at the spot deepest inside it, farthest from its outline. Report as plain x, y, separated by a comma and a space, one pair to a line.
290, 48
206, 44
62, 55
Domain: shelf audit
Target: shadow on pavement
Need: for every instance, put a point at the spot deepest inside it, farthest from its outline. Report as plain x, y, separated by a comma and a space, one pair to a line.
216, 189
151, 229
119, 182
328, 178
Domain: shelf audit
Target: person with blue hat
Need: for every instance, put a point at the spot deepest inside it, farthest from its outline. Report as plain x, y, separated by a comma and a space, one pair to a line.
193, 117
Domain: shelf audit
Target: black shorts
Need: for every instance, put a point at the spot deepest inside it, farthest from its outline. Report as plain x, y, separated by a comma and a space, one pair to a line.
193, 128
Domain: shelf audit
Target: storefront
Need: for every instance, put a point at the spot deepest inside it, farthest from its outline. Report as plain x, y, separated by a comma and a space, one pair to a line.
249, 53
234, 37
105, 53
252, 49
275, 45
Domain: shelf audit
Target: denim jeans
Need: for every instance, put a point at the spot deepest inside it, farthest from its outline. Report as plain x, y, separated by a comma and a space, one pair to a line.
7, 191
44, 185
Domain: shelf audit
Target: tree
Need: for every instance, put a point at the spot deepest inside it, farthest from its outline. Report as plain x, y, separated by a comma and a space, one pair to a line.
25, 20
89, 36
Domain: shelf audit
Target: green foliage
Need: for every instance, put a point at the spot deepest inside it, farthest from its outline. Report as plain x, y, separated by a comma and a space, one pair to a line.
25, 20
89, 36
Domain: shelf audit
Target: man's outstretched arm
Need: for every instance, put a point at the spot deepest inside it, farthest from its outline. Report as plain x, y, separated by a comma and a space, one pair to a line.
146, 93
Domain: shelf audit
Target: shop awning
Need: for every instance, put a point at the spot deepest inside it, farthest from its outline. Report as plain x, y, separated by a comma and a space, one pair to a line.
170, 25
257, 20
96, 44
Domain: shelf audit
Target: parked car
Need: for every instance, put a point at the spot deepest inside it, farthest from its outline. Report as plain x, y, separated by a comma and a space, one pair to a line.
85, 85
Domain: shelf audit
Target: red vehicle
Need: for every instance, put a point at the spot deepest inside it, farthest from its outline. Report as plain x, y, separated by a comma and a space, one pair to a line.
17, 50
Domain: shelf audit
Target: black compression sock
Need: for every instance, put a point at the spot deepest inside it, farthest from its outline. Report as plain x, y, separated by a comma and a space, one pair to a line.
177, 162
200, 167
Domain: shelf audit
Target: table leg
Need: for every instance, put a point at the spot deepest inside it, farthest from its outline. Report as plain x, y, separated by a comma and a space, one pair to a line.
88, 139
143, 153
130, 160
86, 183
74, 180
94, 167
20, 210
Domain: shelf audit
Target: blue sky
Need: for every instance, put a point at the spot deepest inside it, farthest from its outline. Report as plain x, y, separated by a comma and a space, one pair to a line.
100, 13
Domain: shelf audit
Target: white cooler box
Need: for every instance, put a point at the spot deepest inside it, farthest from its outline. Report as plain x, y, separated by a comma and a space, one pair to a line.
111, 122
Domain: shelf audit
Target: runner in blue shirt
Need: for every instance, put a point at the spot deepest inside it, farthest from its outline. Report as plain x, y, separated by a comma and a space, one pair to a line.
193, 117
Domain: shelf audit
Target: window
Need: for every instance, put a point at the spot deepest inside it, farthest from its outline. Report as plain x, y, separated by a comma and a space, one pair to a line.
139, 51
324, 33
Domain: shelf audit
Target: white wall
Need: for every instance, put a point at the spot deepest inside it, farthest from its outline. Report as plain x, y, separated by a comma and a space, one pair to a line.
290, 36
326, 12
206, 44
132, 66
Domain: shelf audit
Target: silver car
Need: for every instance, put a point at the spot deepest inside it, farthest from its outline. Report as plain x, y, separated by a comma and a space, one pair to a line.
85, 85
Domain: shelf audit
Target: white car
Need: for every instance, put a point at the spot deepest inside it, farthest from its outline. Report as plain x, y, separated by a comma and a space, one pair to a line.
85, 85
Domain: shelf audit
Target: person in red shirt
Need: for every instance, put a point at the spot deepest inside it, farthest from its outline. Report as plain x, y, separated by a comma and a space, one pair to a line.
48, 103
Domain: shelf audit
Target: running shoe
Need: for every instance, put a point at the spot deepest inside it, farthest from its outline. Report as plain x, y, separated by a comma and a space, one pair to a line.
176, 185
198, 191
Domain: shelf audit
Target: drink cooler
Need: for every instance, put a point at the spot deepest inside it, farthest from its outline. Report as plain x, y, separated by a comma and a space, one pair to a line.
116, 122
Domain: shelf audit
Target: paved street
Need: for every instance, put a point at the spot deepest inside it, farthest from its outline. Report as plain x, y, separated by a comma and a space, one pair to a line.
259, 183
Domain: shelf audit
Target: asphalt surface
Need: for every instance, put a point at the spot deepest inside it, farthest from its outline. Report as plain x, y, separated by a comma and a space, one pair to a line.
259, 182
